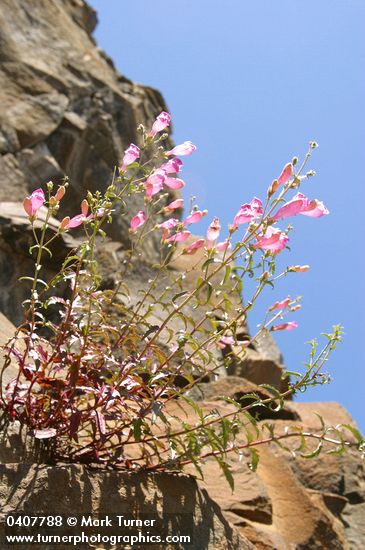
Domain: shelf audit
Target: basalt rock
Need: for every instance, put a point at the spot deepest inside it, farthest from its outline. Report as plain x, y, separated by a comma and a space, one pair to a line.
64, 108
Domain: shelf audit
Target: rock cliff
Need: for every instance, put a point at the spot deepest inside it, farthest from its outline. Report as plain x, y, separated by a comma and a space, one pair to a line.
66, 111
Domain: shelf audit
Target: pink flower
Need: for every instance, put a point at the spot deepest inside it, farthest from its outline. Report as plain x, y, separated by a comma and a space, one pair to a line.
172, 166
221, 247
138, 220
248, 212
299, 268
315, 209
184, 149
214, 230
130, 155
169, 224
293, 207
273, 240
174, 183
191, 249
179, 237
195, 217
291, 325
155, 183
301, 205
78, 220
286, 174
281, 305
175, 205
162, 121
226, 341
34, 202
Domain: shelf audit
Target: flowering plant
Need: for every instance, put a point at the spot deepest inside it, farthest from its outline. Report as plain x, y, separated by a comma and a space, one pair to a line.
107, 378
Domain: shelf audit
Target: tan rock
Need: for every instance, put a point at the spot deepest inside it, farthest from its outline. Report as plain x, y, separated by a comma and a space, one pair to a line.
75, 490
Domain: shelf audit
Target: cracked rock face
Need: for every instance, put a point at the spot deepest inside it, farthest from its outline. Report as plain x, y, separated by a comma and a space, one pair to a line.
64, 108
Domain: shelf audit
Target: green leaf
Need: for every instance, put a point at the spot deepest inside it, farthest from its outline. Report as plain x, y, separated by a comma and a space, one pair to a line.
255, 457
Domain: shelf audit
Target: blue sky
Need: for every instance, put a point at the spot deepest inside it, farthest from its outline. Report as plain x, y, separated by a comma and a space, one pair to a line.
251, 83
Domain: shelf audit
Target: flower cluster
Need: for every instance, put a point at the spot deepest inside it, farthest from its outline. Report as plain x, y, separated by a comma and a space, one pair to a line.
100, 387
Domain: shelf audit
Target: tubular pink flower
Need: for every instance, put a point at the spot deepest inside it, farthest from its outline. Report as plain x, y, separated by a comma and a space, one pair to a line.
162, 121
299, 268
214, 230
248, 212
293, 207
60, 193
315, 209
155, 182
291, 325
175, 205
174, 183
179, 237
191, 249
273, 240
195, 217
34, 202
281, 305
172, 166
300, 204
221, 247
138, 220
130, 155
169, 224
286, 174
226, 341
182, 150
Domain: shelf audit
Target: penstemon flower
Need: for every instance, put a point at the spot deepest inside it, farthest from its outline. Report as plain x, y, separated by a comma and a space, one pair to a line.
138, 220
273, 240
162, 121
34, 202
184, 149
291, 325
131, 154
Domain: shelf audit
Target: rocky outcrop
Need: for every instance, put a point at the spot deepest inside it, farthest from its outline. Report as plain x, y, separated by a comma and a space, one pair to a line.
64, 108
174, 501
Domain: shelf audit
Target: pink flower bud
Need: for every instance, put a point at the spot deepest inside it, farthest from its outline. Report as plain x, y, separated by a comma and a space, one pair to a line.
162, 121
64, 223
34, 202
130, 155
286, 174
195, 217
191, 249
214, 230
299, 268
60, 193
281, 305
291, 325
175, 205
138, 220
184, 149
84, 207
